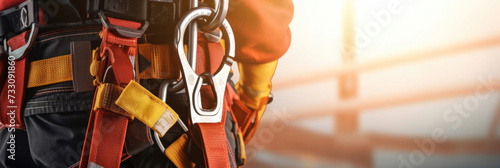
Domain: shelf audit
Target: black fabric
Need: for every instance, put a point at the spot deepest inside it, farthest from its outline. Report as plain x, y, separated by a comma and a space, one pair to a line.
153, 157
143, 63
57, 42
57, 11
22, 150
124, 9
56, 140
231, 140
161, 14
58, 100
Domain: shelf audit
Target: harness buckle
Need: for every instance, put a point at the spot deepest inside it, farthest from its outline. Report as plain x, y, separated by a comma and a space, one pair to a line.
123, 31
25, 12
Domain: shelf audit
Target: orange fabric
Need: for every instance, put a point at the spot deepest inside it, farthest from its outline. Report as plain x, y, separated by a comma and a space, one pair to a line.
163, 61
261, 29
212, 135
105, 148
13, 92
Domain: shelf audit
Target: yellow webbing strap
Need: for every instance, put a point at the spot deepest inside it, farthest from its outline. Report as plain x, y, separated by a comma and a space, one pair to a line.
50, 71
58, 69
148, 108
176, 153
255, 82
106, 96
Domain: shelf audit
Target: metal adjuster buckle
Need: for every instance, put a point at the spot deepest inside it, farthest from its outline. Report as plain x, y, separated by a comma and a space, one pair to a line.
123, 31
18, 53
27, 19
26, 13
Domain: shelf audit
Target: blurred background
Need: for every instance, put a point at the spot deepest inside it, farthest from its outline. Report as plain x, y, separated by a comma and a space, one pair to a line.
386, 83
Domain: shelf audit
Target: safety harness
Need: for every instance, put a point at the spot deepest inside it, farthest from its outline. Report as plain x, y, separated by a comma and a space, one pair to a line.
118, 50
120, 102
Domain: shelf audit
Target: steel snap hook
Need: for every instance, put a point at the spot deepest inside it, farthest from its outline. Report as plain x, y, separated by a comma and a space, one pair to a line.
193, 82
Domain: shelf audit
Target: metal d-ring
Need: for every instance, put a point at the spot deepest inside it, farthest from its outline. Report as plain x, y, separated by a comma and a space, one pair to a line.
221, 7
163, 96
19, 52
193, 82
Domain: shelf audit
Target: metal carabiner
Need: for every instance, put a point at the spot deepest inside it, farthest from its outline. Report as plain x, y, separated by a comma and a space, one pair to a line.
163, 96
194, 82
176, 86
221, 7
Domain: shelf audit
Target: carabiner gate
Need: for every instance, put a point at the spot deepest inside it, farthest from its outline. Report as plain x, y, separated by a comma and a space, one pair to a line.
193, 81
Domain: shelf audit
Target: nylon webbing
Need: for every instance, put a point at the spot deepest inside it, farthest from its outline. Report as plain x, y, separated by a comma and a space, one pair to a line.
213, 135
176, 152
50, 71
13, 92
106, 96
105, 147
58, 69
148, 108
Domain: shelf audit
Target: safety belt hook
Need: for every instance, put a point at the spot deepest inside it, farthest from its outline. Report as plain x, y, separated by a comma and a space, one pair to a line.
193, 82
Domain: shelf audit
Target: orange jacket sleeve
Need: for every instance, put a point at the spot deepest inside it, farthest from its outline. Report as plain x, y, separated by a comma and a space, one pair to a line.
261, 29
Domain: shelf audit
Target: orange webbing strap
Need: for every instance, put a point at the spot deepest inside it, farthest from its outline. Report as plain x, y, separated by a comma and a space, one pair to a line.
248, 119
108, 138
213, 135
106, 131
163, 61
176, 152
215, 144
12, 96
